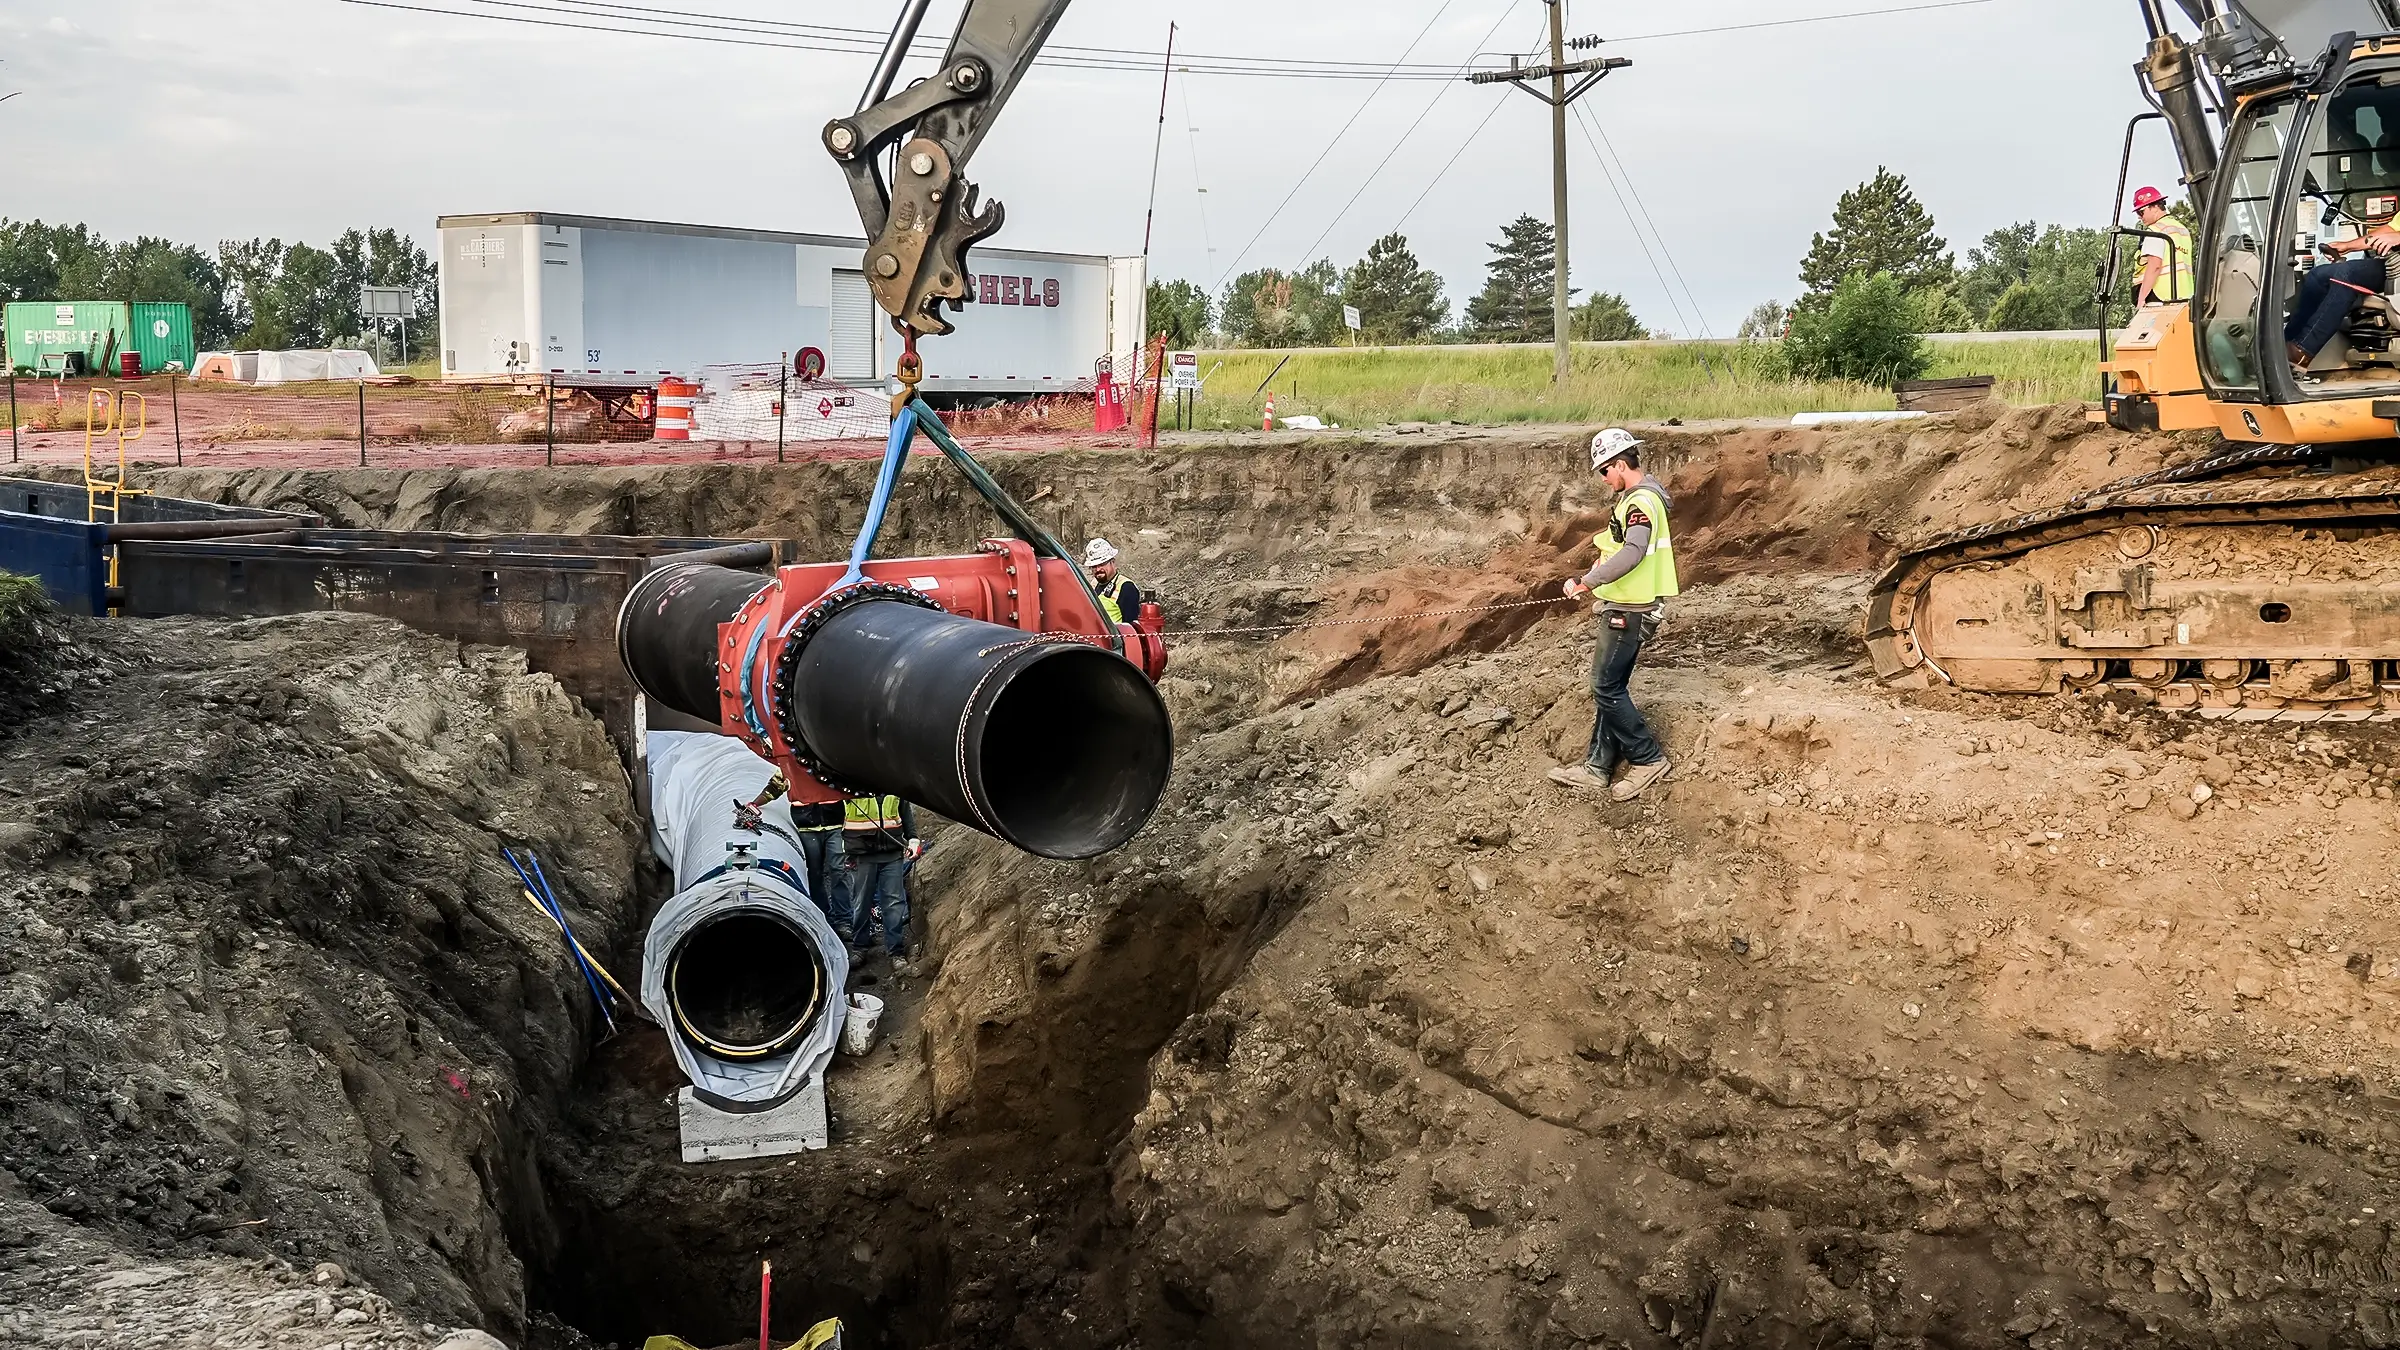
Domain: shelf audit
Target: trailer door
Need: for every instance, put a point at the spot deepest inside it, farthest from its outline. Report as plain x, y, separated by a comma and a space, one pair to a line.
853, 354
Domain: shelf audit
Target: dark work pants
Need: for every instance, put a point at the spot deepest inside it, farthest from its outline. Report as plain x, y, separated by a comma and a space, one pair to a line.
1618, 731
2323, 306
822, 849
881, 881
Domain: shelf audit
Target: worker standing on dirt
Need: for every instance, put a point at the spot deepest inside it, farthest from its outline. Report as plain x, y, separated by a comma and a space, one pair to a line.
879, 845
2166, 277
818, 830
1633, 578
1121, 599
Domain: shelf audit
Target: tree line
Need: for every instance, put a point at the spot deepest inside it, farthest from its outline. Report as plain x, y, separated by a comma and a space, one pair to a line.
247, 293
1398, 300
1882, 276
1871, 284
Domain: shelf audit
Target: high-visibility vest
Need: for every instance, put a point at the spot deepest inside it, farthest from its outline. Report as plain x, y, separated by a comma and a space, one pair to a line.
2175, 276
1110, 602
868, 815
1653, 578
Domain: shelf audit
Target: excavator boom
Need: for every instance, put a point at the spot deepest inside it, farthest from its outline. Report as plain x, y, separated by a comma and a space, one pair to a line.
922, 219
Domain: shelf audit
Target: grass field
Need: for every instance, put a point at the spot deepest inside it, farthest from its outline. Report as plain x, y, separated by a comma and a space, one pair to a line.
1610, 383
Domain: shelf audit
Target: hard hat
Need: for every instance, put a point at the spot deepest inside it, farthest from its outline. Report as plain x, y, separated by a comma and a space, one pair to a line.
2148, 197
1099, 551
1609, 444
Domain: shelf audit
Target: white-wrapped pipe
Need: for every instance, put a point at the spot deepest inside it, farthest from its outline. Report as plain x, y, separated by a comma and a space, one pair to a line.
740, 967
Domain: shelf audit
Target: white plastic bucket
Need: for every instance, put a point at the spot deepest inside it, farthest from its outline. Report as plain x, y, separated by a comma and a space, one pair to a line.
859, 1024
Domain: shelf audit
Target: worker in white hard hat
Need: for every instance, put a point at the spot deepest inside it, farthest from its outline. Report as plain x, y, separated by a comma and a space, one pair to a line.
1120, 599
1633, 578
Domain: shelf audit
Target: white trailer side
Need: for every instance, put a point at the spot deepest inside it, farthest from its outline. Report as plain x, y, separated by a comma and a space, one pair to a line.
531, 293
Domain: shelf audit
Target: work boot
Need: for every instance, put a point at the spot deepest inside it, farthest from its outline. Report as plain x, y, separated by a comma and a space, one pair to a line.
1582, 777
1638, 777
902, 968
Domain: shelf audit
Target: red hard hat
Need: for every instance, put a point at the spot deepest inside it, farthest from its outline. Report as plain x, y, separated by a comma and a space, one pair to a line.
2148, 197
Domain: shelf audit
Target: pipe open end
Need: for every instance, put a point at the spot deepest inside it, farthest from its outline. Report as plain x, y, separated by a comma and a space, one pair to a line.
1074, 753
745, 985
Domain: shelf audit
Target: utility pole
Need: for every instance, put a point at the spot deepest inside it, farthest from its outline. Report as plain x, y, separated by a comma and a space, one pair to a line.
1560, 94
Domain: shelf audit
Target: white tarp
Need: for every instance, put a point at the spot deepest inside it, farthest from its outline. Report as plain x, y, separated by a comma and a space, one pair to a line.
738, 403
299, 367
288, 367
695, 779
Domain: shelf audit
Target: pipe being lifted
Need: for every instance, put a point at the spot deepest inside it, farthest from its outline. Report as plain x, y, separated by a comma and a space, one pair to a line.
1056, 745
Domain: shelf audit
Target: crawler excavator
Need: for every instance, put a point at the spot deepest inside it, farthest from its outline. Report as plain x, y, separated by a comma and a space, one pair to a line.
2263, 580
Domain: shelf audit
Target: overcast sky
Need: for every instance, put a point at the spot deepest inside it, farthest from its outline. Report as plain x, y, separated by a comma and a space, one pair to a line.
296, 118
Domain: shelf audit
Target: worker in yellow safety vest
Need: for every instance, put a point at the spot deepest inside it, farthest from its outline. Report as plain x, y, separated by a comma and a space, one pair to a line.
879, 846
2166, 263
1120, 599
1633, 578
817, 829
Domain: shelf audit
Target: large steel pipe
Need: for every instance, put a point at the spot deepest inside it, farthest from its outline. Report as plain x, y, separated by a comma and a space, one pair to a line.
1058, 747
667, 632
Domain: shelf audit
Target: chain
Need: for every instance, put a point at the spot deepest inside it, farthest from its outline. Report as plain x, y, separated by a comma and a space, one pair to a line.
912, 368
1264, 629
1181, 634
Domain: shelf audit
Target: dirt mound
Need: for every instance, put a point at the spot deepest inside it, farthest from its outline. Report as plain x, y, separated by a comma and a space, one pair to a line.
1892, 1022
269, 991
1894, 1019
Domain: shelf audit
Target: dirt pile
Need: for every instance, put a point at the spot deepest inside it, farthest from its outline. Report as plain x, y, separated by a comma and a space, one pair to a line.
1894, 1019
266, 989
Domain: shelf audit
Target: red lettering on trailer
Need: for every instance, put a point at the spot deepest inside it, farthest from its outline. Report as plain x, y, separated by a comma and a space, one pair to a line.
1050, 292
1009, 294
990, 286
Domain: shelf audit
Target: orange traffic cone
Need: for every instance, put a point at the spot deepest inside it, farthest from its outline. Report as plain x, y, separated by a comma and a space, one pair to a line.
1270, 421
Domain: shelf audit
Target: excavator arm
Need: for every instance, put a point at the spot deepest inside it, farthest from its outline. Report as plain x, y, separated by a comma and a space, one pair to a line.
923, 219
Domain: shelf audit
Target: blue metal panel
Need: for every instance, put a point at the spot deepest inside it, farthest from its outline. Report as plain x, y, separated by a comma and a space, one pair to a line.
64, 554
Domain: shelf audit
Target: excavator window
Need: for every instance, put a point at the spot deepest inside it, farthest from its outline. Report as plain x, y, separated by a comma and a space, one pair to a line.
2235, 263
2350, 184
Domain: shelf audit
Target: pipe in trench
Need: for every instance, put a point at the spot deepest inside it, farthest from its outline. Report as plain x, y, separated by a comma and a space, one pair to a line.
739, 966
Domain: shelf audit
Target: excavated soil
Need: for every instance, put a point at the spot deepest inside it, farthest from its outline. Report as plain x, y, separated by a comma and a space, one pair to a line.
1893, 1019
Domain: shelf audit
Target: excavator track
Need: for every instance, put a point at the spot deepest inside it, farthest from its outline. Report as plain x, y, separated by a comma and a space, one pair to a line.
2250, 585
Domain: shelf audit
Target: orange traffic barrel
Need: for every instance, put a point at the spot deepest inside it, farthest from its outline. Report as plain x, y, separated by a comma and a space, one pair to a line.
675, 408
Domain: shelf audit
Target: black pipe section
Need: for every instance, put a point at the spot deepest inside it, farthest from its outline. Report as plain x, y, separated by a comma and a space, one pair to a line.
667, 632
757, 554
745, 985
1060, 748
196, 529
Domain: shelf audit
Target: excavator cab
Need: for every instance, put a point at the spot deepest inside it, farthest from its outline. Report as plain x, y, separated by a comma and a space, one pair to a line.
2310, 157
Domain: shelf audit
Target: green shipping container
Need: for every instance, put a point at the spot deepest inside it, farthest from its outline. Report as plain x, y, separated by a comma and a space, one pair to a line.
162, 333
97, 328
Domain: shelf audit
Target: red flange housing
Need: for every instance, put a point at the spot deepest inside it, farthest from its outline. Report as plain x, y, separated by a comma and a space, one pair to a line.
1004, 583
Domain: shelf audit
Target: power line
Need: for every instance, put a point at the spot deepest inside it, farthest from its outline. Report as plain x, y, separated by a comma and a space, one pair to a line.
1644, 207
1447, 165
1655, 270
1439, 95
840, 44
1327, 151
1199, 186
1811, 18
598, 16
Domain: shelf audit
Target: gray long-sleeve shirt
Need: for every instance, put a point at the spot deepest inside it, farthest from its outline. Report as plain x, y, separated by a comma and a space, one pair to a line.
1639, 529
